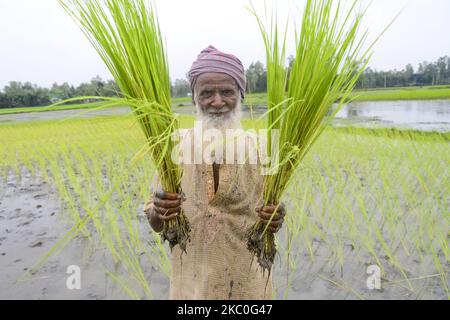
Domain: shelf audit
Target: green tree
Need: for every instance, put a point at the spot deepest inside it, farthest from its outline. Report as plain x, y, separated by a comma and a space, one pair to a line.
441, 69
408, 75
256, 78
181, 88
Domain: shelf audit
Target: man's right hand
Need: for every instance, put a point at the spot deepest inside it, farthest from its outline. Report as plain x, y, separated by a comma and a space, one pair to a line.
165, 206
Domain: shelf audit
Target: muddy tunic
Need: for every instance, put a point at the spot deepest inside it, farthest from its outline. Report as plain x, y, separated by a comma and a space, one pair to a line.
218, 264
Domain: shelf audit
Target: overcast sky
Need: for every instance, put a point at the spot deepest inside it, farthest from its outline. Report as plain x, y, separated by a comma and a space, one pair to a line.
41, 44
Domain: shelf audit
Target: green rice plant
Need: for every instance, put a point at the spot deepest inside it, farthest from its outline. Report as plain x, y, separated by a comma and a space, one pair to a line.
329, 59
127, 37
399, 178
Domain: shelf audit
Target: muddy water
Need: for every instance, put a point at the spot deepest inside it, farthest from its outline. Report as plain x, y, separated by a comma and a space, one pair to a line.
33, 220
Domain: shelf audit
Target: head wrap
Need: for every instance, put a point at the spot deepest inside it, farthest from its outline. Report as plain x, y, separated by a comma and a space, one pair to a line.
211, 60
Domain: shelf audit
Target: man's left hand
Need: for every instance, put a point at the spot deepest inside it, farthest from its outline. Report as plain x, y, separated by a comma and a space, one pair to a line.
265, 213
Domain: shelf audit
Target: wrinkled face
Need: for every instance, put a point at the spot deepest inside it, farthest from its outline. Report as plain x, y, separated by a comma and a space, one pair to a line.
216, 94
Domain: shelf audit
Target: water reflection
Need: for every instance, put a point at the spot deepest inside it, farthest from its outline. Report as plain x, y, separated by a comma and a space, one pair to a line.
424, 115
353, 112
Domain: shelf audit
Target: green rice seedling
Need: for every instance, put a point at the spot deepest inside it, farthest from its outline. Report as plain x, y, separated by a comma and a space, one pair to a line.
127, 37
400, 180
374, 203
329, 59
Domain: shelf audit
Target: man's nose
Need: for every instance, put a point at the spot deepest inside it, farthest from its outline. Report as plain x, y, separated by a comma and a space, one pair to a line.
217, 101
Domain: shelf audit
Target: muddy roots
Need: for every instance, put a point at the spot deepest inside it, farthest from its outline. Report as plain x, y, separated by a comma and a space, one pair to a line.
262, 245
176, 232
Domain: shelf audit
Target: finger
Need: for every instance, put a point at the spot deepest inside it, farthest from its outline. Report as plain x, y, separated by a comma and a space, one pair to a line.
273, 223
276, 224
268, 216
167, 203
166, 195
165, 212
269, 222
168, 217
148, 213
273, 226
269, 208
279, 213
148, 206
172, 196
148, 203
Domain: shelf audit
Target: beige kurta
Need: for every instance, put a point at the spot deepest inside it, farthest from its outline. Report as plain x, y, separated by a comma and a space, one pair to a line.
218, 265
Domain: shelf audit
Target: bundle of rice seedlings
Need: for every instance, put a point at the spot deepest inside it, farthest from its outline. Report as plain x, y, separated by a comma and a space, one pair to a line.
127, 37
329, 59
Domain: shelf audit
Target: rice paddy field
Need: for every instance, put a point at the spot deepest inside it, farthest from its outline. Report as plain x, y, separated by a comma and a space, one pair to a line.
403, 93
71, 195
46, 108
390, 94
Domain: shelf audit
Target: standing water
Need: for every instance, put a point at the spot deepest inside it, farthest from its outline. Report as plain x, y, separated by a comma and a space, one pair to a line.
427, 115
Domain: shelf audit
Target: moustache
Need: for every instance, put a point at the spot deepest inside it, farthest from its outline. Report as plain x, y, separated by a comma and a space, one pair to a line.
217, 112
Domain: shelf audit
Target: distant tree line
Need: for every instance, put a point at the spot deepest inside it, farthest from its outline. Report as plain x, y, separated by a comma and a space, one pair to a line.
18, 94
25, 94
427, 74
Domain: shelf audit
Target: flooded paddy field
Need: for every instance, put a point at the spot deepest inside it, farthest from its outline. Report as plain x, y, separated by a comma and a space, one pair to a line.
363, 200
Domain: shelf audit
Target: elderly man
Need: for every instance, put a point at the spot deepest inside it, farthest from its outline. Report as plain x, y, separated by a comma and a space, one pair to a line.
221, 200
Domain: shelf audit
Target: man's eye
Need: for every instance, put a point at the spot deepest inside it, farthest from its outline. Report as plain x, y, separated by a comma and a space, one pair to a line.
207, 93
228, 92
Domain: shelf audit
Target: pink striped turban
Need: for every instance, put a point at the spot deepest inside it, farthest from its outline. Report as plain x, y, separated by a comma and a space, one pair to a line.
211, 60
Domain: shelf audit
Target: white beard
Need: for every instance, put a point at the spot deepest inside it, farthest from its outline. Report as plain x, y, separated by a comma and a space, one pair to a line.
222, 122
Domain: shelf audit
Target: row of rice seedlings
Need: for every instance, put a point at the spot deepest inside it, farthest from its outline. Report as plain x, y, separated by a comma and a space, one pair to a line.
77, 172
118, 221
381, 230
402, 193
328, 220
390, 195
